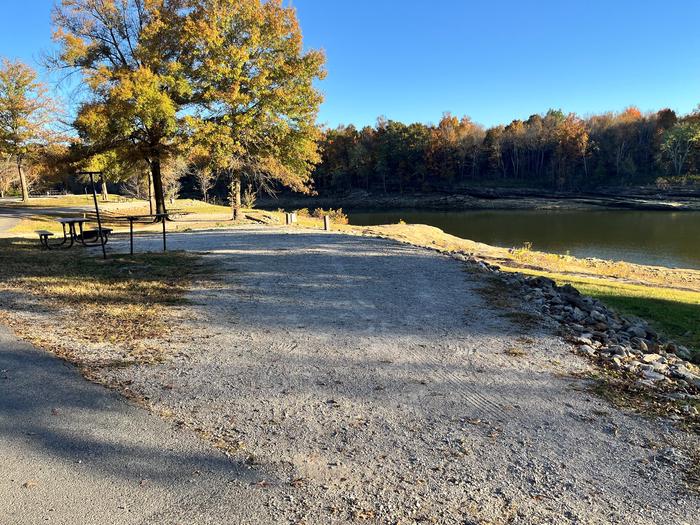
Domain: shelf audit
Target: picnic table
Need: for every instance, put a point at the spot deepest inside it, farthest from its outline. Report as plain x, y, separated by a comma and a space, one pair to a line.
155, 217
92, 237
74, 231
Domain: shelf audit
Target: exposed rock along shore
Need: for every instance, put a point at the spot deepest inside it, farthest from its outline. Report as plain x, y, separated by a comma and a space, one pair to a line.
624, 343
496, 198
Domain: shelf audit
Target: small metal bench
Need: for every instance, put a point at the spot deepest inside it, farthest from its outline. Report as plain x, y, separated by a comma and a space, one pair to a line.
44, 238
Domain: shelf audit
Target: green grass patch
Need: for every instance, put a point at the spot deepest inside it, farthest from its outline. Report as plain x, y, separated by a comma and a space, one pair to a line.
679, 320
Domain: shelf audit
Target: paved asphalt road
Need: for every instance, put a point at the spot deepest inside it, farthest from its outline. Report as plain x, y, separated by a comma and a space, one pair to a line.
72, 452
11, 215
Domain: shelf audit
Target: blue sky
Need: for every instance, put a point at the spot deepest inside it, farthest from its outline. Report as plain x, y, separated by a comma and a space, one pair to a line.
411, 60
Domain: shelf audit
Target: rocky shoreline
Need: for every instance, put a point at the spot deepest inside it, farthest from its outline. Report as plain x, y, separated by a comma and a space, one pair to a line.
649, 199
625, 345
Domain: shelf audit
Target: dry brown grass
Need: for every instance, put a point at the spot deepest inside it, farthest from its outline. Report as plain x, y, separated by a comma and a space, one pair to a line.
65, 299
515, 351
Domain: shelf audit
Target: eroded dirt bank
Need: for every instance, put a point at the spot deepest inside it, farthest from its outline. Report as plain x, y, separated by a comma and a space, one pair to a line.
643, 198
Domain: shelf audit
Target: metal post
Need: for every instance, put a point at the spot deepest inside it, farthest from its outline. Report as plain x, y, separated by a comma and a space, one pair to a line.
97, 213
131, 236
163, 219
326, 223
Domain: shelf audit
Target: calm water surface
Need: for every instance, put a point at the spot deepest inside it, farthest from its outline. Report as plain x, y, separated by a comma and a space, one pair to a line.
647, 237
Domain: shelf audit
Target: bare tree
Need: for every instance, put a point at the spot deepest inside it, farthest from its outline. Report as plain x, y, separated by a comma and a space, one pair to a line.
205, 180
677, 144
172, 171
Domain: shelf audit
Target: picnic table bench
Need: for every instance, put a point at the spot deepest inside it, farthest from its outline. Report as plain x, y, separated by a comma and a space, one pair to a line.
44, 238
94, 234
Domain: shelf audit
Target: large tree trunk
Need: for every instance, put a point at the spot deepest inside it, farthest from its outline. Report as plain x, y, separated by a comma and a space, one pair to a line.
236, 195
103, 189
23, 182
150, 192
158, 186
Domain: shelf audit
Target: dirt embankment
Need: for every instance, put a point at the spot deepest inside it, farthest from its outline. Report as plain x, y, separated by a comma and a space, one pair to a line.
498, 198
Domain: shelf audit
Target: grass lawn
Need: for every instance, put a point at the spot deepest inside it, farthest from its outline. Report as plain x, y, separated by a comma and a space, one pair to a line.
677, 315
192, 210
64, 200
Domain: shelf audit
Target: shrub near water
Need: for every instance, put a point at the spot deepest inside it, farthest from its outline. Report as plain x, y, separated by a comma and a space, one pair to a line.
336, 216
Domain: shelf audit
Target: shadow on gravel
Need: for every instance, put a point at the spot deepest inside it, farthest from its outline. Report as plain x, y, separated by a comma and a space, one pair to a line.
327, 283
47, 409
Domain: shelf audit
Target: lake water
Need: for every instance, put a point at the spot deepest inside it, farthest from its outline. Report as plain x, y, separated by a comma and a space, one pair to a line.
659, 238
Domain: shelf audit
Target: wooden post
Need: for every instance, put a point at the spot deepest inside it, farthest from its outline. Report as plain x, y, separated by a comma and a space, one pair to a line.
326, 223
163, 219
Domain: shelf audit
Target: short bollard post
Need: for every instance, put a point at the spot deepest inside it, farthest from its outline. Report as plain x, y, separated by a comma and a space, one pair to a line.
294, 217
287, 219
326, 223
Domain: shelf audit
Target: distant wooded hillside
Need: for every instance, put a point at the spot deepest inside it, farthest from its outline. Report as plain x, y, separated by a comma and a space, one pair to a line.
554, 150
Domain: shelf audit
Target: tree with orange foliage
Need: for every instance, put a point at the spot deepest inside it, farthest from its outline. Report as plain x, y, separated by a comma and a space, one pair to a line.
253, 84
26, 115
572, 146
228, 76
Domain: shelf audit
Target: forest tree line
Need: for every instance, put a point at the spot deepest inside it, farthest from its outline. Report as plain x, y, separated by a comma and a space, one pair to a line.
555, 151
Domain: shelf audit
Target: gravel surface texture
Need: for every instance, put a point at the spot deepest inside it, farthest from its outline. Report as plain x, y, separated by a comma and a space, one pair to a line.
364, 380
